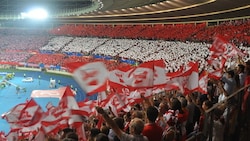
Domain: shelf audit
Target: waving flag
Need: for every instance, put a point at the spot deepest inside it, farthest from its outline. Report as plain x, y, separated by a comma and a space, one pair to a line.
203, 81
187, 81
13, 115
31, 114
141, 76
219, 47
86, 108
117, 77
68, 99
217, 65
92, 77
235, 52
160, 78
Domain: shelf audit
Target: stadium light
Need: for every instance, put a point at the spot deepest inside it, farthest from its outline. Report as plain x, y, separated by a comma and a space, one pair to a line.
37, 13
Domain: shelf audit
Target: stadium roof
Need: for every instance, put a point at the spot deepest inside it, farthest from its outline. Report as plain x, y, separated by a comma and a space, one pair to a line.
131, 11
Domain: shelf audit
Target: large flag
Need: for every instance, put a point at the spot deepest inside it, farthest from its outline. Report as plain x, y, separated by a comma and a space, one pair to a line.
160, 77
56, 93
68, 103
116, 102
68, 99
31, 114
58, 117
188, 81
117, 77
2, 136
86, 108
141, 76
92, 77
220, 47
54, 120
203, 82
13, 115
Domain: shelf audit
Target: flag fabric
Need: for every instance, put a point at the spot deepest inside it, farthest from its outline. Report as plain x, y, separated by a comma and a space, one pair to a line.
31, 114
60, 117
92, 77
216, 63
55, 120
68, 100
13, 115
219, 47
81, 133
160, 77
2, 136
235, 52
117, 77
12, 136
86, 108
187, 81
117, 102
141, 76
203, 82
40, 136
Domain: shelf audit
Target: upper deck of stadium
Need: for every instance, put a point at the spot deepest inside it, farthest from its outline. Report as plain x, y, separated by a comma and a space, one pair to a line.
131, 11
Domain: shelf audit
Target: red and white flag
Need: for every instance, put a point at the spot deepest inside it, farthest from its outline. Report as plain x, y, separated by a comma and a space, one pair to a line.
86, 108
68, 100
160, 77
31, 114
81, 133
117, 77
2, 136
217, 63
13, 115
92, 77
141, 76
235, 52
54, 120
117, 102
203, 82
220, 47
136, 95
188, 81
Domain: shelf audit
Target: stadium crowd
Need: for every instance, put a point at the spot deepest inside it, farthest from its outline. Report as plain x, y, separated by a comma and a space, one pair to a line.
168, 115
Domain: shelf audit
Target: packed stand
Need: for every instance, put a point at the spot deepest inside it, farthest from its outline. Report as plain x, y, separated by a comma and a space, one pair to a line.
200, 32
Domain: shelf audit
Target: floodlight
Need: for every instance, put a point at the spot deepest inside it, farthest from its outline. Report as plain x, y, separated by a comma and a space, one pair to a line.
38, 13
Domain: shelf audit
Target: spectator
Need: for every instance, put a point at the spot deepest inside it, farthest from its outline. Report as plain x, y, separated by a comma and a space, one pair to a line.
151, 130
101, 137
136, 128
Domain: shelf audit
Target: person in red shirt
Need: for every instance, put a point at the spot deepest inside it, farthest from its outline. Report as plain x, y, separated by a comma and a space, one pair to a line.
151, 130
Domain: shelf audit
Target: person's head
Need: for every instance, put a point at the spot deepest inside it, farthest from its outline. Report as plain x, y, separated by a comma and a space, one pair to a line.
127, 116
183, 101
64, 132
230, 73
101, 137
136, 126
94, 132
152, 113
175, 104
207, 105
137, 114
120, 122
104, 129
71, 136
163, 107
240, 68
